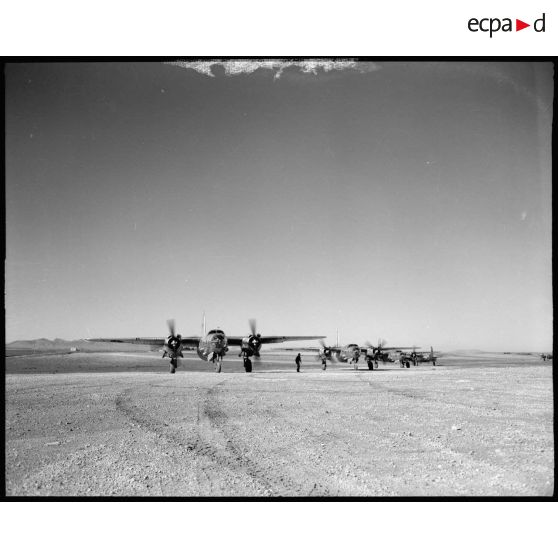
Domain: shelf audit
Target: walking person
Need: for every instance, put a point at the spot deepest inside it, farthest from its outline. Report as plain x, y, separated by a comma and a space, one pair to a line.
298, 360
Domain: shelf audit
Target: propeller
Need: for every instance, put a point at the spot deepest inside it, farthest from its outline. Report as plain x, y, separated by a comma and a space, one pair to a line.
254, 340
173, 341
326, 351
377, 351
375, 348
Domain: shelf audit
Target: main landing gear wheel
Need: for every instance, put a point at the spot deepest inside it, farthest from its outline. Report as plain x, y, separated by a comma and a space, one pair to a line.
324, 365
218, 366
173, 365
408, 364
370, 366
247, 365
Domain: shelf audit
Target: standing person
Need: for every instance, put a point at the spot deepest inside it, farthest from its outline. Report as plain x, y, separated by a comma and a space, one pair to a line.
298, 360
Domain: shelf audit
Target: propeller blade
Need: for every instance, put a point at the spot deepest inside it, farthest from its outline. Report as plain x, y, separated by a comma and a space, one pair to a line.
252, 323
170, 323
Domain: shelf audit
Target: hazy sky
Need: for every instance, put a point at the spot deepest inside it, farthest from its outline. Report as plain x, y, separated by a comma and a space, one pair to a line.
410, 201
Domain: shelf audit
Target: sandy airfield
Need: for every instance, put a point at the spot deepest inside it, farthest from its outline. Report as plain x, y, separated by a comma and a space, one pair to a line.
118, 424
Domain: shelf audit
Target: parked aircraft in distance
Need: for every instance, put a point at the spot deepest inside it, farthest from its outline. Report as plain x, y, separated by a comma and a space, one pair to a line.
351, 353
405, 359
347, 353
546, 356
380, 352
211, 346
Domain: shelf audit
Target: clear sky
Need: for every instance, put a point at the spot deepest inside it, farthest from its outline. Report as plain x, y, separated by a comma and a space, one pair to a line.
410, 201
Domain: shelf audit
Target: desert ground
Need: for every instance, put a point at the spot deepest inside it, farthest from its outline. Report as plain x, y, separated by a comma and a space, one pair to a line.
117, 424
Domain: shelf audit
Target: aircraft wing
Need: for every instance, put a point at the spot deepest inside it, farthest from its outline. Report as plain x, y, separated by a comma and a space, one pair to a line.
335, 350
152, 341
384, 349
237, 341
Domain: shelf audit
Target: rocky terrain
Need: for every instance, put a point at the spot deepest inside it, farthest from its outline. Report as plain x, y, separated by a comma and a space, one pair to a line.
125, 427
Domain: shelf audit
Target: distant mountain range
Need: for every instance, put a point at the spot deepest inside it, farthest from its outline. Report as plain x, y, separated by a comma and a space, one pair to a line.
56, 345
43, 343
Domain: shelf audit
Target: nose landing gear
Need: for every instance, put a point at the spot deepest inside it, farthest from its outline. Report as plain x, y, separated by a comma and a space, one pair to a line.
217, 362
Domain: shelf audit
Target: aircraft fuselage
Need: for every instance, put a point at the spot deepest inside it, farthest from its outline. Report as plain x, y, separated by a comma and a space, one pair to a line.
349, 353
213, 346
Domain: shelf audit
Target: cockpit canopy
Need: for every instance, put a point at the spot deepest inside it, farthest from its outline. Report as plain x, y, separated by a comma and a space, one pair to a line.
352, 345
216, 331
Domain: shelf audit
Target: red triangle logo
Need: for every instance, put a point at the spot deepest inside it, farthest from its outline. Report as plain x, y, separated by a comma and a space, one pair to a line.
519, 25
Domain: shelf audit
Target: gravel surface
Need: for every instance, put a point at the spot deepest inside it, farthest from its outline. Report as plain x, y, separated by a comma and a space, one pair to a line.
421, 432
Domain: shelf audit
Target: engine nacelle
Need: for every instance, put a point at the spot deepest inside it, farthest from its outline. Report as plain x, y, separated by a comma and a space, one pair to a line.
251, 346
173, 343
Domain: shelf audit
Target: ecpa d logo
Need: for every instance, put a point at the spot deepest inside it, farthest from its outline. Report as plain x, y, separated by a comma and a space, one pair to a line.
492, 25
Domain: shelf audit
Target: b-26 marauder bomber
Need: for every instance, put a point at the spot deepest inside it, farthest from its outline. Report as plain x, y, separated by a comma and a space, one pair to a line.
348, 353
351, 353
405, 359
380, 352
211, 346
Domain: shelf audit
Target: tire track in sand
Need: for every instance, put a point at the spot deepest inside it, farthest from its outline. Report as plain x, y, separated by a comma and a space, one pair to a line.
169, 443
275, 482
209, 441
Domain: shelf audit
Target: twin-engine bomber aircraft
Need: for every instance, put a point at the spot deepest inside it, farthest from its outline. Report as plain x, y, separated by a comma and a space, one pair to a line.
405, 359
211, 347
351, 353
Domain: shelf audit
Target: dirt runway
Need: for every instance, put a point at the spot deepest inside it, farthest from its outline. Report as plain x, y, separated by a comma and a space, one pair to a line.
429, 431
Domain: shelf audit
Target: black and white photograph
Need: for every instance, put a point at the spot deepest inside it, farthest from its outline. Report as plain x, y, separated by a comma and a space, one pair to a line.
263, 278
